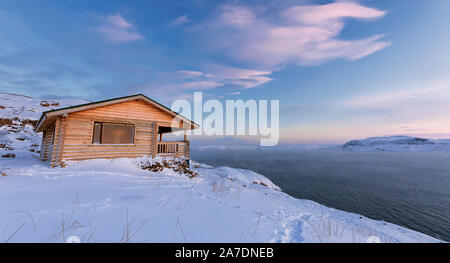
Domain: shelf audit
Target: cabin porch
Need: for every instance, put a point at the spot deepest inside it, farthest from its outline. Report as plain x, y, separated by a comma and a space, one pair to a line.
178, 148
173, 149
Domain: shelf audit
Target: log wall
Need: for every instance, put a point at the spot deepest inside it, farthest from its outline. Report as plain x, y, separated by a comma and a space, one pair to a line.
46, 145
73, 133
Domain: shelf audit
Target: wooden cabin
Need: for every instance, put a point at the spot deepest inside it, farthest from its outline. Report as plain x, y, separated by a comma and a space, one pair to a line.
131, 126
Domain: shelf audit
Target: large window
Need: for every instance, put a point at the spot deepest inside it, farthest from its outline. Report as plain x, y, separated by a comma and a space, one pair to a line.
113, 133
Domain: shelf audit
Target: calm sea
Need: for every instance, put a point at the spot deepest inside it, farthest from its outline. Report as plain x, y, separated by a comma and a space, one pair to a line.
411, 189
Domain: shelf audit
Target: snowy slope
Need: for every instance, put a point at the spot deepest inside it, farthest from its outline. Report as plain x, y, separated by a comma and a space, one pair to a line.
27, 108
117, 201
397, 143
99, 200
17, 115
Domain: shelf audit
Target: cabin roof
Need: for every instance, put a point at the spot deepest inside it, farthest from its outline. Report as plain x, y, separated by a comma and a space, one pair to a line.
91, 105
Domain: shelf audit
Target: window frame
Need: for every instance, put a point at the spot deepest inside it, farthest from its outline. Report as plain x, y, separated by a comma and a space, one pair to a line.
114, 123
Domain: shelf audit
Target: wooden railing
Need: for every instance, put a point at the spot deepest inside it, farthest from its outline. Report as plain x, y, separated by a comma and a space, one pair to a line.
180, 148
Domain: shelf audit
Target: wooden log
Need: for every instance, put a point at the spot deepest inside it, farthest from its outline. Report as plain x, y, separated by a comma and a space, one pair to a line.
55, 147
154, 143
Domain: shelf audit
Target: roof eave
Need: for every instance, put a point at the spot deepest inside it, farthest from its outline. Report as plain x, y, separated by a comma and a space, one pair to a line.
41, 120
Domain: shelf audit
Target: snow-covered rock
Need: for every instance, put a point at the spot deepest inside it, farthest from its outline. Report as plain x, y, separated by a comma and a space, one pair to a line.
397, 143
18, 114
27, 108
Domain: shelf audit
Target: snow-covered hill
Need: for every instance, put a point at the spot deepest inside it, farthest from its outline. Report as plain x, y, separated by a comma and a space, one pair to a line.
27, 108
397, 143
119, 201
17, 115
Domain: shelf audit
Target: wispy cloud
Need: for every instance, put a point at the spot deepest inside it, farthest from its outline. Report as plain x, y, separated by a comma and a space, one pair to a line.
228, 76
118, 30
179, 21
237, 16
417, 109
304, 34
192, 74
421, 110
200, 85
330, 13
397, 98
216, 79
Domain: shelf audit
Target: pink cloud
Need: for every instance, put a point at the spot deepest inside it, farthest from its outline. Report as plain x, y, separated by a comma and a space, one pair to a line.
243, 78
219, 75
305, 34
318, 14
118, 30
190, 73
431, 92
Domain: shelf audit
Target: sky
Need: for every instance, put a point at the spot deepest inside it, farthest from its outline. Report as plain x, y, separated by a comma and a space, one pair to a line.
341, 70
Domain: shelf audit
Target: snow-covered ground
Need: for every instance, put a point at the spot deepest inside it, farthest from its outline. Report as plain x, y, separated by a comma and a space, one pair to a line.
117, 201
396, 143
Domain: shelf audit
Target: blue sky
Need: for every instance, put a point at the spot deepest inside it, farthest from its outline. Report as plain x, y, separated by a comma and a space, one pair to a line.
341, 69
